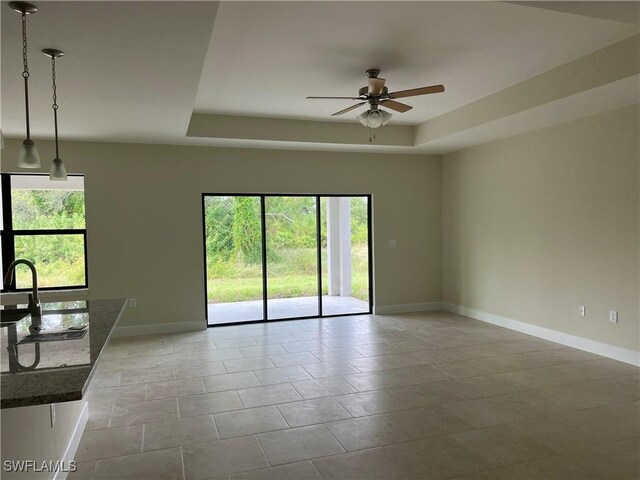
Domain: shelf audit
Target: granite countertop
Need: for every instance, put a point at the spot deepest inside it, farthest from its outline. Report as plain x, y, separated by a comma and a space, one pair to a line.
46, 366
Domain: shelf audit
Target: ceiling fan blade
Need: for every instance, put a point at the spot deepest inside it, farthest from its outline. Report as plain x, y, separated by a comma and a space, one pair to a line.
352, 107
397, 106
417, 91
339, 98
376, 85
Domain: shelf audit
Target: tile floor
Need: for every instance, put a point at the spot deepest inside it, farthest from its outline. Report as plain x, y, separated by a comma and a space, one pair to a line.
431, 395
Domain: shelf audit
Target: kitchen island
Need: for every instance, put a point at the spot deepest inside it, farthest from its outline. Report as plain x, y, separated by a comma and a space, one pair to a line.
46, 366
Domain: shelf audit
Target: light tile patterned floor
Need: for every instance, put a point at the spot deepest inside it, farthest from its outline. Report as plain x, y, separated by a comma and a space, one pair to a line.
431, 395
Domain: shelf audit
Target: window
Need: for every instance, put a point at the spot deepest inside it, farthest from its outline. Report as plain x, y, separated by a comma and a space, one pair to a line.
44, 221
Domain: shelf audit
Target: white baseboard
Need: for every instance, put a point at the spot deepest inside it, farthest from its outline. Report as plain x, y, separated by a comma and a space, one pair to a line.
599, 348
155, 328
74, 441
406, 308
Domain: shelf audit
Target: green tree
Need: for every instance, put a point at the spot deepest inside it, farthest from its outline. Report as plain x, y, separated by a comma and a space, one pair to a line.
246, 230
218, 221
58, 258
359, 224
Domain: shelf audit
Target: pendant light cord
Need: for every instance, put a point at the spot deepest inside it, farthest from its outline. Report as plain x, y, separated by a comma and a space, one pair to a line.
55, 101
25, 71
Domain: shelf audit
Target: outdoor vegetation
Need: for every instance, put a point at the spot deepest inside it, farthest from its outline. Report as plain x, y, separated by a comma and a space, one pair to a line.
234, 247
58, 258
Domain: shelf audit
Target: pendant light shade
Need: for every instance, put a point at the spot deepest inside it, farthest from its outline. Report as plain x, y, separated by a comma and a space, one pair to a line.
58, 172
28, 156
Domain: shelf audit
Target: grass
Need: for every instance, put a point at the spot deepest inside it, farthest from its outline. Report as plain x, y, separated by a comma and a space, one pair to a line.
52, 274
222, 290
293, 274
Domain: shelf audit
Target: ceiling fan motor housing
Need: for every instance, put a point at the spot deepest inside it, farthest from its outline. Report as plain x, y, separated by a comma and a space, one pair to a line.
373, 72
364, 91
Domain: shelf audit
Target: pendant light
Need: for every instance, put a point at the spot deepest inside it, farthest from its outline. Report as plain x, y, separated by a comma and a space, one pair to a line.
28, 155
58, 172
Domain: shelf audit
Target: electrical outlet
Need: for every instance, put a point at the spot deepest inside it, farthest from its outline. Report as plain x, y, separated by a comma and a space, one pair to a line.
458, 286
133, 303
393, 244
581, 310
613, 316
52, 409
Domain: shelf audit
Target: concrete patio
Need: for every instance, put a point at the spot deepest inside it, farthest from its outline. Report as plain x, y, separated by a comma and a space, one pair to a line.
280, 308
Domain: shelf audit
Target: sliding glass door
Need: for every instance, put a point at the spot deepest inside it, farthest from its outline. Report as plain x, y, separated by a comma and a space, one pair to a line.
233, 254
277, 257
292, 257
345, 255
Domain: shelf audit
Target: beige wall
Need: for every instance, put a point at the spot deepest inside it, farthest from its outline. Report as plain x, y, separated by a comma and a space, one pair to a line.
532, 226
538, 224
27, 434
145, 226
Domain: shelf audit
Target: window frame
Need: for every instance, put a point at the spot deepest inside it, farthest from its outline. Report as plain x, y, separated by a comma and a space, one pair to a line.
8, 234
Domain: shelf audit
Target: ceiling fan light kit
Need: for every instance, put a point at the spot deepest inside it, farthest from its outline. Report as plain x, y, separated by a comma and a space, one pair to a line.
374, 118
28, 156
376, 95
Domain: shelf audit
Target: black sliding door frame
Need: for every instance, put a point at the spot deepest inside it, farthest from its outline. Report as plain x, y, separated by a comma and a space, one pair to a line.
263, 240
265, 279
319, 254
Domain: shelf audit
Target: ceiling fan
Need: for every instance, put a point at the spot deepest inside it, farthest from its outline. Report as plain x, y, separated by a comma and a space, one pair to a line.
377, 95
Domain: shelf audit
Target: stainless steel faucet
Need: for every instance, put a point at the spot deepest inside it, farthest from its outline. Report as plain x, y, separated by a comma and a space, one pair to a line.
34, 301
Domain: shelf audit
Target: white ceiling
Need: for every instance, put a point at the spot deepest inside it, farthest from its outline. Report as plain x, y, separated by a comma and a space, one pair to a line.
266, 57
137, 71
130, 70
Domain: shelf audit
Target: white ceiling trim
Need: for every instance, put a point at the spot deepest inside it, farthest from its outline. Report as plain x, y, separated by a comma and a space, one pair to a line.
610, 64
625, 12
